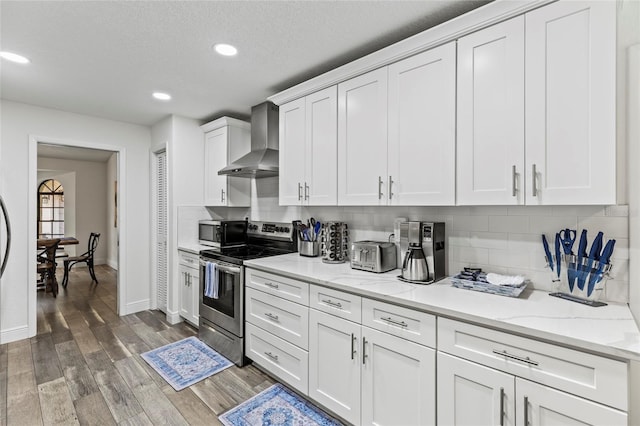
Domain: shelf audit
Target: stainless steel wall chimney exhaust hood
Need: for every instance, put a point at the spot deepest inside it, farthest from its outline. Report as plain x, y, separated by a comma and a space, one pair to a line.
262, 160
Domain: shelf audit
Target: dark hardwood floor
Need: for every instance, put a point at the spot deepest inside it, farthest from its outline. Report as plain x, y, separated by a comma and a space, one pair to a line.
84, 366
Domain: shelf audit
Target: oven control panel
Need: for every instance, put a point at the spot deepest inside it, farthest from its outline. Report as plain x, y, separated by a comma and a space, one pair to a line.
275, 229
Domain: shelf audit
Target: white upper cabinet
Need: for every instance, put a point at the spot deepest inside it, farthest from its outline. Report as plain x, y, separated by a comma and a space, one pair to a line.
571, 104
308, 150
362, 139
422, 129
226, 139
490, 148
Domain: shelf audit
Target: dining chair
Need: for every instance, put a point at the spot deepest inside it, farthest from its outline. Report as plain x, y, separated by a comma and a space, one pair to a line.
86, 257
46, 266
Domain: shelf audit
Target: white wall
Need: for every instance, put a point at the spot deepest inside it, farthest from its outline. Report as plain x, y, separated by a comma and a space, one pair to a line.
111, 240
90, 201
19, 123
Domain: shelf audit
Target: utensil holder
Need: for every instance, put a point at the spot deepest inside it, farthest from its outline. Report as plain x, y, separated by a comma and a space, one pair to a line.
309, 248
580, 281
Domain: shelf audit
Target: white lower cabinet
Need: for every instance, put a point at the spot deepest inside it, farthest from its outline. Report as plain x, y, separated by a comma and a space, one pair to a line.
367, 376
188, 268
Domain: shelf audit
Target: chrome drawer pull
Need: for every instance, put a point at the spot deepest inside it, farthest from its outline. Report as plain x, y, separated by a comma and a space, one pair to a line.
353, 348
526, 411
271, 316
364, 350
272, 285
392, 321
272, 356
501, 406
526, 360
331, 303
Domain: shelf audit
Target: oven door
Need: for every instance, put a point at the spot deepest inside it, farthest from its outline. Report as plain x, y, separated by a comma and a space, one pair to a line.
222, 295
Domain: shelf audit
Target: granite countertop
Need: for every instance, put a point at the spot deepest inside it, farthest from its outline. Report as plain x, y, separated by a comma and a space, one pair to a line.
194, 248
608, 330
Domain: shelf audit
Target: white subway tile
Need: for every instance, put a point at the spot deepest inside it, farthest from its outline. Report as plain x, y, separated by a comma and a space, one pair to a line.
514, 260
549, 225
471, 255
578, 210
612, 227
454, 210
488, 210
616, 291
509, 223
524, 242
457, 238
490, 240
471, 223
529, 211
621, 210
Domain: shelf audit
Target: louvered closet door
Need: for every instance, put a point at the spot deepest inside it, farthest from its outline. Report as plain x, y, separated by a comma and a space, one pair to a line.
161, 230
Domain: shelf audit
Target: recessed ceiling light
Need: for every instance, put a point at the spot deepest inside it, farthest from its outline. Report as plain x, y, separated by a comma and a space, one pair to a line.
14, 57
225, 49
162, 96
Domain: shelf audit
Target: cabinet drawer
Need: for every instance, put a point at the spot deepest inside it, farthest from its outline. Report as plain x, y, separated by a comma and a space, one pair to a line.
590, 376
282, 359
416, 326
287, 288
335, 302
285, 319
187, 259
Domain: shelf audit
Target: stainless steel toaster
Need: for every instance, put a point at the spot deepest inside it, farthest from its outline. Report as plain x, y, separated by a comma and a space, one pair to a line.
373, 256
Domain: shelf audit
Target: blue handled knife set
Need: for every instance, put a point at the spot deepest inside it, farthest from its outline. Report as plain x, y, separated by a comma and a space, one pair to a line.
583, 270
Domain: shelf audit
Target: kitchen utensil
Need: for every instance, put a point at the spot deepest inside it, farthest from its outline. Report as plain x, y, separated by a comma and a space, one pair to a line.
414, 267
558, 248
568, 237
603, 261
582, 253
547, 252
316, 229
594, 254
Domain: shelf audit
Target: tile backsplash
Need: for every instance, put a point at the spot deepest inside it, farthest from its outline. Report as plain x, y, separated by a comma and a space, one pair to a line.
502, 239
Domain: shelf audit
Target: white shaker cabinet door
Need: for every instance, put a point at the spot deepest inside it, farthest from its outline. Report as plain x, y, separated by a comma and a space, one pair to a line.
292, 152
571, 104
215, 157
472, 394
398, 381
362, 139
490, 151
539, 405
186, 295
334, 364
321, 177
422, 129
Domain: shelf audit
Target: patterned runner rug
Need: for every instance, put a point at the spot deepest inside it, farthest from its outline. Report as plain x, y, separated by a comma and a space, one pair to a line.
186, 362
277, 406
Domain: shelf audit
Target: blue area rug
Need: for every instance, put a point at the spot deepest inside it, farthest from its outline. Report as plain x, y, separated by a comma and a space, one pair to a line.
186, 362
276, 406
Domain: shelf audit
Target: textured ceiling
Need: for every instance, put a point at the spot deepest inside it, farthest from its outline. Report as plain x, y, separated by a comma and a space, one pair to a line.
105, 58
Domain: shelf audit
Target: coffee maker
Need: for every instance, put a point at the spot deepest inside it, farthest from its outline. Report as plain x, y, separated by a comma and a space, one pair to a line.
422, 249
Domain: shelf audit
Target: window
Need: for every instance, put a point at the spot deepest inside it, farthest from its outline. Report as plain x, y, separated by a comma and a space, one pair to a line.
50, 209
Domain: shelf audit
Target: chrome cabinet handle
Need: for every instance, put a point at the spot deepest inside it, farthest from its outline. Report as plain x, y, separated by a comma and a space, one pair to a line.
332, 303
534, 176
390, 184
353, 346
270, 284
188, 276
299, 192
306, 191
526, 360
271, 316
379, 187
364, 350
513, 180
8, 248
272, 356
501, 406
222, 195
526, 411
392, 321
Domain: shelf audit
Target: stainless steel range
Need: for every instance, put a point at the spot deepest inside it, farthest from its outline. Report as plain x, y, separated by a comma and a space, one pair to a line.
222, 285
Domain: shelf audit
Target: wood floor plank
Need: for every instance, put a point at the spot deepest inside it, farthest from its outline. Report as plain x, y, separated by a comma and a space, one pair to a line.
158, 407
92, 410
130, 339
133, 373
24, 409
62, 336
118, 396
178, 332
157, 378
148, 335
153, 321
86, 341
56, 322
4, 368
191, 407
79, 378
110, 343
137, 420
57, 406
45, 359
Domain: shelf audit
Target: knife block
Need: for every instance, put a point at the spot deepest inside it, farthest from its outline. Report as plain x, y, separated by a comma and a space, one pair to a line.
592, 278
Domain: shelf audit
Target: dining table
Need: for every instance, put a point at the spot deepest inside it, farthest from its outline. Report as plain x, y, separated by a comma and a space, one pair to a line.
50, 255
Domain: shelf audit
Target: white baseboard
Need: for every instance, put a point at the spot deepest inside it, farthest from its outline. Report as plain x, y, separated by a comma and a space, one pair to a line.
133, 307
173, 317
14, 334
112, 263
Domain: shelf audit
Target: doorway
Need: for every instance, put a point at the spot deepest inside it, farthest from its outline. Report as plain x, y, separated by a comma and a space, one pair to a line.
92, 197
